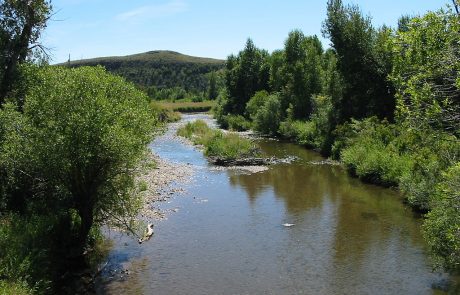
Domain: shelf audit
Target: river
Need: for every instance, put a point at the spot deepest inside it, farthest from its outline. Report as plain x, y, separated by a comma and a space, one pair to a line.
225, 235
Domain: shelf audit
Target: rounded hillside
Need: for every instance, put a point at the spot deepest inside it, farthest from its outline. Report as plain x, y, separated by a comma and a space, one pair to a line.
159, 68
155, 56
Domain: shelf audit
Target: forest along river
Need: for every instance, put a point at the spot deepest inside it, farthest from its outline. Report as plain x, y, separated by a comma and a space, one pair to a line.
225, 234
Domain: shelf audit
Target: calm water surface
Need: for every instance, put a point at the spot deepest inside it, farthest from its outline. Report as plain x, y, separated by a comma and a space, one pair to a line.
228, 238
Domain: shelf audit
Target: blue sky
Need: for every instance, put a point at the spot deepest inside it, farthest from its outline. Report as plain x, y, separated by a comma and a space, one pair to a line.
93, 28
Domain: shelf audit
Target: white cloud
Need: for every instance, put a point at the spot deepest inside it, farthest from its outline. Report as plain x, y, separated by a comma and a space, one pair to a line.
154, 11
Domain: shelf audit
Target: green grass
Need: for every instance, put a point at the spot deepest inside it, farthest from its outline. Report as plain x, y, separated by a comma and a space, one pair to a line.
188, 106
225, 146
164, 115
11, 288
230, 146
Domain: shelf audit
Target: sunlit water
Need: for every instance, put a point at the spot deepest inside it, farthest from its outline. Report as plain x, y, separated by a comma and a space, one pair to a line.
228, 235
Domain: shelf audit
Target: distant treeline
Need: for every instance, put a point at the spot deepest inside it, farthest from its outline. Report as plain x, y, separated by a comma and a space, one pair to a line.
177, 75
385, 101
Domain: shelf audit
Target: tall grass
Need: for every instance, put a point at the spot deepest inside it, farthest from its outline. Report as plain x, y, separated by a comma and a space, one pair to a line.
226, 146
187, 106
163, 114
14, 288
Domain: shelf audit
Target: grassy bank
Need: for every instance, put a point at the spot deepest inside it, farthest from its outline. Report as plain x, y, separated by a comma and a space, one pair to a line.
226, 146
164, 115
187, 106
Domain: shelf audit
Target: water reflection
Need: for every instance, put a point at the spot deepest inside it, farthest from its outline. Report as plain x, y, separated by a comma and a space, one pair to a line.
364, 232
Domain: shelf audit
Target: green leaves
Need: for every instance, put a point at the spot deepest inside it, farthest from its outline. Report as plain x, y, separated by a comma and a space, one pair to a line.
246, 74
442, 226
426, 67
21, 24
301, 72
363, 60
75, 147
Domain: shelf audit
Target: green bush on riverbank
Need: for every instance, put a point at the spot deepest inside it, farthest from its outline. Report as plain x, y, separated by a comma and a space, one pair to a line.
218, 144
68, 158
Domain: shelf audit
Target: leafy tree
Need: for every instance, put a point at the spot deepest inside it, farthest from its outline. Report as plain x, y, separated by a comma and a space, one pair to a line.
74, 151
21, 24
268, 118
332, 81
361, 62
212, 90
301, 72
276, 61
403, 23
255, 103
246, 74
426, 72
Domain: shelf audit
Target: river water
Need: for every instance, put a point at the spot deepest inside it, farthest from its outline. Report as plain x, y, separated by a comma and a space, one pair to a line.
228, 237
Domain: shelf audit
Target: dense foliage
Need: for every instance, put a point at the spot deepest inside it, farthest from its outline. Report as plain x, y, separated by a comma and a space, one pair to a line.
426, 72
21, 24
68, 163
245, 74
384, 101
363, 61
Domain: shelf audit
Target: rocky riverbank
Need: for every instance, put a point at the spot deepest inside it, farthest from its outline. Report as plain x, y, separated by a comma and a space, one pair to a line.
162, 181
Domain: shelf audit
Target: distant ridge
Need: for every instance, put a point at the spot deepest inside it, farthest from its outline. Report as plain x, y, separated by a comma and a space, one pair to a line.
159, 68
166, 56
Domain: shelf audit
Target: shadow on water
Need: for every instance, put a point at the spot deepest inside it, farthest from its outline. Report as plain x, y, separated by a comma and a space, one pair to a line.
228, 235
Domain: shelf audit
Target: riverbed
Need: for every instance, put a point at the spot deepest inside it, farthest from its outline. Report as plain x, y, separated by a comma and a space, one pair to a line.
304, 227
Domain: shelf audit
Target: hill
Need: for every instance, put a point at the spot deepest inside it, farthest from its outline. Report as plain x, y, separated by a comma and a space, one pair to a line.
162, 69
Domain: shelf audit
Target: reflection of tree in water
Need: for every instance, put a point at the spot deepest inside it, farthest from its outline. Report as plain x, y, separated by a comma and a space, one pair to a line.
300, 186
375, 233
368, 219
371, 219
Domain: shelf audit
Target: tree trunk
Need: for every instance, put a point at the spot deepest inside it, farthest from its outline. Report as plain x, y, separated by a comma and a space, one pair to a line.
86, 215
456, 6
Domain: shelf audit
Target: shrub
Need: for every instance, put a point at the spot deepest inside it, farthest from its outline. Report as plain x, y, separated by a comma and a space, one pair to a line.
373, 162
164, 115
25, 258
268, 118
442, 225
371, 154
433, 153
236, 123
255, 103
197, 99
314, 133
302, 132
